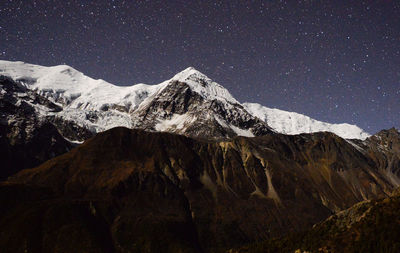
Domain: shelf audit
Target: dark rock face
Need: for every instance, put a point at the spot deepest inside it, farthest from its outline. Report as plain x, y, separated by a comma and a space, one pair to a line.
153, 192
26, 139
199, 114
384, 149
69, 129
368, 226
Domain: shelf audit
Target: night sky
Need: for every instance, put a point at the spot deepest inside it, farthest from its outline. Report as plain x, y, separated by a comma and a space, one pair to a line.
336, 61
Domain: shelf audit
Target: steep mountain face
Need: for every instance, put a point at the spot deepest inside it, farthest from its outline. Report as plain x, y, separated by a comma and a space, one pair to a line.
149, 191
26, 138
295, 123
384, 148
189, 103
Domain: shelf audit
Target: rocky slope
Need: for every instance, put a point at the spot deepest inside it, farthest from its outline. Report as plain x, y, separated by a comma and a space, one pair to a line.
368, 226
26, 138
183, 108
384, 148
149, 191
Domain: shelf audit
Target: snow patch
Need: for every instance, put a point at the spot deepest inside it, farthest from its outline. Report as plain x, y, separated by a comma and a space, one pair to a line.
221, 122
72, 141
241, 132
177, 122
235, 129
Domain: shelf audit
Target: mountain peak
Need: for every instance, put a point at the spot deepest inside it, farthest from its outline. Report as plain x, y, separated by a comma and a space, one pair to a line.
190, 73
203, 85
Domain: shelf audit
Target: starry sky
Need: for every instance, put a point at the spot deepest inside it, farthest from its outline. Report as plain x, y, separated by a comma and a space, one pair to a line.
336, 61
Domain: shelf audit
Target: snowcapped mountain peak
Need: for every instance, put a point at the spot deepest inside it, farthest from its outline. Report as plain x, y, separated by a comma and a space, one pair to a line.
188, 73
203, 85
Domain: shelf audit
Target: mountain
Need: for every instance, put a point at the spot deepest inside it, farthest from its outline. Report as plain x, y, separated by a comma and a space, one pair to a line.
190, 170
192, 104
295, 123
127, 190
93, 104
189, 103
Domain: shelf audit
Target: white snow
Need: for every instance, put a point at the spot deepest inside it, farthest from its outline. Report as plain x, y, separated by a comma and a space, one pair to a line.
64, 83
72, 141
177, 122
295, 123
204, 86
241, 132
80, 96
221, 121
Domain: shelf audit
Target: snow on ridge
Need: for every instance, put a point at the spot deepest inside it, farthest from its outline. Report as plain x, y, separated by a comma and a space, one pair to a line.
64, 84
294, 123
79, 94
203, 85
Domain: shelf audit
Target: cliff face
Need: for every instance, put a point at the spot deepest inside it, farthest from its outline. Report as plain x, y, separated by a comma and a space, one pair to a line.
141, 190
384, 149
178, 108
26, 140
